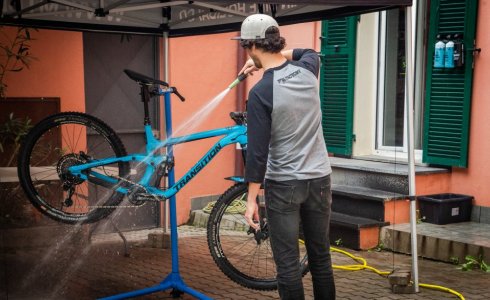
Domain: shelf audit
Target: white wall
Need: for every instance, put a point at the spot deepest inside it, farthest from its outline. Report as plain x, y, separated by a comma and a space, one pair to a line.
365, 85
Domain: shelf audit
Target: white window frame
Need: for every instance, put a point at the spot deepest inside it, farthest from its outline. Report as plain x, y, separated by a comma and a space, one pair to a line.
379, 149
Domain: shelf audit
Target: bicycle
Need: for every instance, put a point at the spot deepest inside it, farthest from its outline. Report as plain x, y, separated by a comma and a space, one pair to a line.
75, 169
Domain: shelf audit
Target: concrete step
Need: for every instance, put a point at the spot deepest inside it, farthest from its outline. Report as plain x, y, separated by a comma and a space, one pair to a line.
359, 212
370, 189
441, 242
354, 232
370, 203
378, 175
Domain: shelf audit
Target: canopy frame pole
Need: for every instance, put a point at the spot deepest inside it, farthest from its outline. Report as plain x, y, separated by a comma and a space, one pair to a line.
409, 97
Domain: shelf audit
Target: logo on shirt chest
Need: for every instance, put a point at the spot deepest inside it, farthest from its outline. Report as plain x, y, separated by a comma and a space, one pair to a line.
286, 78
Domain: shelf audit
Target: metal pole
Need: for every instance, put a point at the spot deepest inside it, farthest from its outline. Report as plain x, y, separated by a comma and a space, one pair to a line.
409, 94
171, 182
165, 78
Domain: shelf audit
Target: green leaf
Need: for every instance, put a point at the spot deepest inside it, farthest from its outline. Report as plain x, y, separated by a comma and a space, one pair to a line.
466, 267
454, 260
484, 266
22, 49
8, 52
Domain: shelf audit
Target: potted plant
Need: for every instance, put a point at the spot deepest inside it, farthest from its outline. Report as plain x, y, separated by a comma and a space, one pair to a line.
13, 206
14, 54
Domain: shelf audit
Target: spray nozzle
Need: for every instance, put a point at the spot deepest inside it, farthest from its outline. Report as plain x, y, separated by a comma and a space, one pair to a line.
239, 79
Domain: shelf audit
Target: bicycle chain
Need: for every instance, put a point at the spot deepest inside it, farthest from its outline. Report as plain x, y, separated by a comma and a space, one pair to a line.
122, 206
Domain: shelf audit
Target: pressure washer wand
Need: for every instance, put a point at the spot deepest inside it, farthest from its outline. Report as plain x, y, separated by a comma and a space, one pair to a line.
239, 79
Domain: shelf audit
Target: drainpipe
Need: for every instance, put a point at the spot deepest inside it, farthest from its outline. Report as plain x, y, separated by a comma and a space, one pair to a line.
241, 95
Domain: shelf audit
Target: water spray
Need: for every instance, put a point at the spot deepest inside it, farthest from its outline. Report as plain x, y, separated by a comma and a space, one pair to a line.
239, 79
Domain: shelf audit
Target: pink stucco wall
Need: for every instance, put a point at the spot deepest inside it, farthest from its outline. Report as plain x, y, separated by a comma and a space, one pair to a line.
57, 72
475, 179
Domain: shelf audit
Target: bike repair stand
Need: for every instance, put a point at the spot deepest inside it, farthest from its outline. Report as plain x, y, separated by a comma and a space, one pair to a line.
173, 280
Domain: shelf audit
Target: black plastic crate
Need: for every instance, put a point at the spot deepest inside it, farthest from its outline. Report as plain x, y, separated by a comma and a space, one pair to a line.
445, 208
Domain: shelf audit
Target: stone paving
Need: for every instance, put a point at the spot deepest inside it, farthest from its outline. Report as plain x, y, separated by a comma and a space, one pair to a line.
441, 242
464, 232
99, 269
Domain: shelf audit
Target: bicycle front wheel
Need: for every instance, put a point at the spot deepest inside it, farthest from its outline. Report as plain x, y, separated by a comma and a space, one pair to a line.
59, 142
241, 254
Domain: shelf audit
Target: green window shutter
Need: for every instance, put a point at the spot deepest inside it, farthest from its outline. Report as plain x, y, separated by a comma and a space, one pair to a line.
448, 91
337, 83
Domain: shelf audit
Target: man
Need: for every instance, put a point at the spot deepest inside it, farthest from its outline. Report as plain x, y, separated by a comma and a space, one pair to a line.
287, 149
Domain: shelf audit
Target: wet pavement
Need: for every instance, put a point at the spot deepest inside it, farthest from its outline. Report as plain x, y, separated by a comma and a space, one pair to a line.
66, 270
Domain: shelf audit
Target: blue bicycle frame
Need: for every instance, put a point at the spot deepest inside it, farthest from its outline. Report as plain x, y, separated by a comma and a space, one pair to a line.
232, 135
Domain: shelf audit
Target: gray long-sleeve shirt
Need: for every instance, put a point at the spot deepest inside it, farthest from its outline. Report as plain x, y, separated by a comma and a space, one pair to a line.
285, 138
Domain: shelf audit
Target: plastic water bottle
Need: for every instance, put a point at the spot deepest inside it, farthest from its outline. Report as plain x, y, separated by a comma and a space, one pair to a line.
439, 53
449, 54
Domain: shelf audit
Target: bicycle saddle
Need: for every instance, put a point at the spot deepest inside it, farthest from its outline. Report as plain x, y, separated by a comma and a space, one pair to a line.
140, 78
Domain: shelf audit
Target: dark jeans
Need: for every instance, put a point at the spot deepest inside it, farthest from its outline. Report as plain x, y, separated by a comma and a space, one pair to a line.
289, 203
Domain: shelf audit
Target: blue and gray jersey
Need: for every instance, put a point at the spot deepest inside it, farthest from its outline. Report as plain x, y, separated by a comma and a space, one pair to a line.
285, 138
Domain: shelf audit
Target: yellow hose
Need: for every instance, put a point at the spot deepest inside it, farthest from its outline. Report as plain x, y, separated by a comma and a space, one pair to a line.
441, 288
364, 266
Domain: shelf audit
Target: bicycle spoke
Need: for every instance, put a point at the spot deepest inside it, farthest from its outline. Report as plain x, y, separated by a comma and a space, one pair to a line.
64, 139
78, 138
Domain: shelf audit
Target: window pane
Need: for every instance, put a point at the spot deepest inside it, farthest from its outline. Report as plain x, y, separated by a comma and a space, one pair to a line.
393, 106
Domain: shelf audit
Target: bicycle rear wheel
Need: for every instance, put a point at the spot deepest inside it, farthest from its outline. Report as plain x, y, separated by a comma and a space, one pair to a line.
57, 143
240, 253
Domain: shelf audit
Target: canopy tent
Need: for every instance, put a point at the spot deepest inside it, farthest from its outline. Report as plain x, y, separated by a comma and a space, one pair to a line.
186, 18
178, 18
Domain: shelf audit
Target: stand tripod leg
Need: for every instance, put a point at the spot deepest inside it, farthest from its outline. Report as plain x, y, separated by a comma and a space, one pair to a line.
173, 281
125, 241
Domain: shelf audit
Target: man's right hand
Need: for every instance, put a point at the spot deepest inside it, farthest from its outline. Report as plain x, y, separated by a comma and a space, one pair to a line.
249, 68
